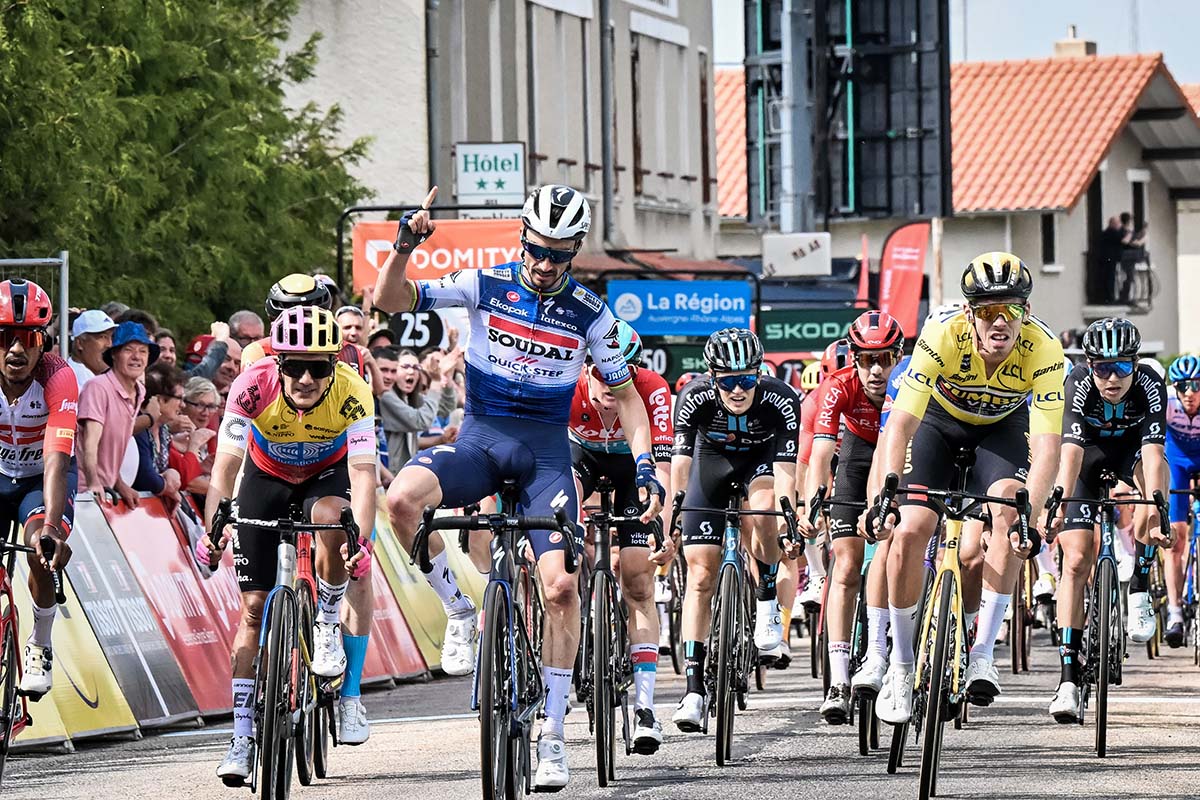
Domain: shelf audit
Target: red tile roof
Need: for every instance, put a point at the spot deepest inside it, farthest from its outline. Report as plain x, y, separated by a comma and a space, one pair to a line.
1026, 134
1192, 92
1031, 134
729, 89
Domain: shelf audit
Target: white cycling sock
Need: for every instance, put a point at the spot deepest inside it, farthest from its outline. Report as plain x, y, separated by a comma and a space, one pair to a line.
1174, 614
816, 558
558, 689
243, 706
43, 623
904, 624
446, 586
645, 671
992, 606
329, 601
877, 627
839, 663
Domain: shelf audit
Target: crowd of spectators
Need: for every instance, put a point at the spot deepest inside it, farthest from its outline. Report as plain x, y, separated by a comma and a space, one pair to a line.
150, 406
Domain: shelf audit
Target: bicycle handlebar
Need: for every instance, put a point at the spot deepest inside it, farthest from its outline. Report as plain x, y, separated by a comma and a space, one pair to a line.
952, 503
493, 522
224, 517
48, 548
1056, 500
883, 509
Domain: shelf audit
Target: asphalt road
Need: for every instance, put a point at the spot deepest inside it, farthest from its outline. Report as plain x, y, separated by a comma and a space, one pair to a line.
424, 744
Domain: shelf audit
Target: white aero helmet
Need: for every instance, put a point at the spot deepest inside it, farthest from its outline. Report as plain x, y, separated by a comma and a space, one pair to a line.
557, 212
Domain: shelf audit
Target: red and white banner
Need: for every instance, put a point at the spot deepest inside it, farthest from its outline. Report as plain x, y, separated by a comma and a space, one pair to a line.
456, 244
901, 273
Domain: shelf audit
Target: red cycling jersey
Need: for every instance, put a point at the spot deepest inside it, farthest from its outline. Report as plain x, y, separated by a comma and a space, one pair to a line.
588, 430
40, 421
841, 397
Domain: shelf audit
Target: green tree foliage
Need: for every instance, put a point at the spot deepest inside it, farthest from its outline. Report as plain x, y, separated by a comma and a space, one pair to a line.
152, 139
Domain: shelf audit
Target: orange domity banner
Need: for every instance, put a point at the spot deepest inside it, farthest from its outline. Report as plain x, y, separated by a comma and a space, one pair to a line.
456, 244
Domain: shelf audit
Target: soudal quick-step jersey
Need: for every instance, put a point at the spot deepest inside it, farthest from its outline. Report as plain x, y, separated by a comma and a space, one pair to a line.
526, 348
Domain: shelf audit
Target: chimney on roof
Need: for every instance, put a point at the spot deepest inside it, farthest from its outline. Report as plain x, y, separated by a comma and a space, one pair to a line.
1072, 47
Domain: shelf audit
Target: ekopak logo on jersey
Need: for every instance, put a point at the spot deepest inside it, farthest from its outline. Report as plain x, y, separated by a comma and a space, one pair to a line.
531, 341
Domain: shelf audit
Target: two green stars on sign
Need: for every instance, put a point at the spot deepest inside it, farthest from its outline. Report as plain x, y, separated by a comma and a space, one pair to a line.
482, 184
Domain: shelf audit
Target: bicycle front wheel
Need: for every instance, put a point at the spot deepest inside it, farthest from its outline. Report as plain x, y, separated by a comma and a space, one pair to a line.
938, 700
726, 623
676, 582
1106, 593
306, 695
495, 698
10, 700
278, 696
602, 680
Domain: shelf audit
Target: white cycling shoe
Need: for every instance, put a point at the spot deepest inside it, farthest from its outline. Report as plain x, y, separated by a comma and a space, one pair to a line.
552, 771
1065, 705
982, 681
1044, 588
1142, 622
458, 648
352, 724
768, 628
869, 677
238, 763
894, 704
811, 596
690, 713
329, 657
37, 677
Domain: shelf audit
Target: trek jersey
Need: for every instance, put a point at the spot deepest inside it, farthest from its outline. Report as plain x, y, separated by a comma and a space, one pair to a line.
298, 446
772, 421
40, 421
893, 388
526, 348
1090, 419
587, 428
946, 366
1183, 432
352, 354
841, 398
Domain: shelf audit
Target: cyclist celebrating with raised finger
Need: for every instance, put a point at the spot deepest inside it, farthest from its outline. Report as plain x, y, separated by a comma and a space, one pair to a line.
532, 325
731, 426
1114, 421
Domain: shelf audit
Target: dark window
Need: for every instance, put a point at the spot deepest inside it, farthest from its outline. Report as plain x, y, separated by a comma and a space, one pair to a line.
1048, 239
1139, 205
705, 171
635, 76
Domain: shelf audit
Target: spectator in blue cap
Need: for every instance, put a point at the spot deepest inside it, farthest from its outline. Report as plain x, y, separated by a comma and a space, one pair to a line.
108, 405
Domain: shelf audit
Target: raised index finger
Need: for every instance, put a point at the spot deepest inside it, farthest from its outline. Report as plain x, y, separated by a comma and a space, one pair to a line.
429, 198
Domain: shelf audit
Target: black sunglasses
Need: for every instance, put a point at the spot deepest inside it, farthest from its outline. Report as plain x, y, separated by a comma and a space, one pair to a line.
295, 368
539, 253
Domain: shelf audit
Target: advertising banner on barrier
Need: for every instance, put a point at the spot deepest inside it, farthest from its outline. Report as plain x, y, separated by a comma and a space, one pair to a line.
169, 583
124, 623
390, 634
86, 699
221, 587
422, 609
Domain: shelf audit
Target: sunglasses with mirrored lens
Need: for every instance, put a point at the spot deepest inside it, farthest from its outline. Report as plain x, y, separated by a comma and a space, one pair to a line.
866, 359
744, 382
1191, 385
539, 253
30, 338
1012, 312
1107, 369
295, 368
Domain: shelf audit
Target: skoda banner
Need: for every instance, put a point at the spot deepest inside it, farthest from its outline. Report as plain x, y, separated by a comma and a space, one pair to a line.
801, 329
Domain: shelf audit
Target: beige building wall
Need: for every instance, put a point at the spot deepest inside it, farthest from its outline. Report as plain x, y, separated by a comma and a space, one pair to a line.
530, 70
372, 64
1188, 298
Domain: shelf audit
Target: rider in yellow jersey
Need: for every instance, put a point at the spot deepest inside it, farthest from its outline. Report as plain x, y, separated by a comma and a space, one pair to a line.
981, 364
